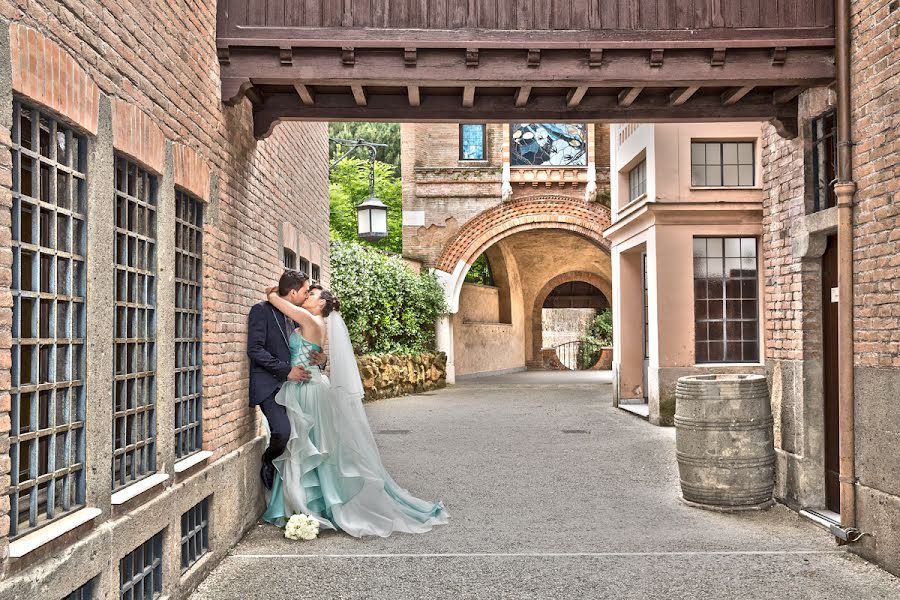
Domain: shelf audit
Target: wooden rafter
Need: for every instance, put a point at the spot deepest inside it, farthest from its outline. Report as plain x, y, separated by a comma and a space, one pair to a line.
682, 95
468, 96
306, 94
359, 94
522, 96
733, 95
573, 98
412, 94
628, 96
786, 94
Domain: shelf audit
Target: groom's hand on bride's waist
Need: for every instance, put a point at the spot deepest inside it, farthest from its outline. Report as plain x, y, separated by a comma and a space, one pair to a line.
298, 374
318, 358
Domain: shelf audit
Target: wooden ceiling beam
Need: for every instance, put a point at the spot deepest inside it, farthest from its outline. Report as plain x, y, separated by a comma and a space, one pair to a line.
682, 95
786, 94
468, 100
498, 109
733, 95
359, 94
306, 94
412, 94
628, 96
522, 96
573, 98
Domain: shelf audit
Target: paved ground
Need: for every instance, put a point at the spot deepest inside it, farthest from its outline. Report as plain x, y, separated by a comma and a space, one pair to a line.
552, 494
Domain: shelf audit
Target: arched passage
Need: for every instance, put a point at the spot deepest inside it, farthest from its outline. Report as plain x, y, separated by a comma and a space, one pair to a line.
594, 279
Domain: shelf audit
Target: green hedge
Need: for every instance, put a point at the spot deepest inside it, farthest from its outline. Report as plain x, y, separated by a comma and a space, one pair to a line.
388, 307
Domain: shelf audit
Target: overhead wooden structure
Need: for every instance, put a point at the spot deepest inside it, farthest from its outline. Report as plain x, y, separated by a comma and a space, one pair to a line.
524, 60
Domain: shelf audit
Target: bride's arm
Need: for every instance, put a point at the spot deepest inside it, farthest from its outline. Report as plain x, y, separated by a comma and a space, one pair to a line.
297, 313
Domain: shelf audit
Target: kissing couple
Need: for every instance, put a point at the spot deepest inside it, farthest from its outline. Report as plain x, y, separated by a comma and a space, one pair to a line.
322, 460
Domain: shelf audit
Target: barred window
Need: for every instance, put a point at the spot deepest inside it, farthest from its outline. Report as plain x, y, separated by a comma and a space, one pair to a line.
471, 141
194, 534
303, 266
722, 164
637, 181
47, 395
290, 259
726, 292
134, 390
316, 274
188, 324
85, 592
824, 156
140, 572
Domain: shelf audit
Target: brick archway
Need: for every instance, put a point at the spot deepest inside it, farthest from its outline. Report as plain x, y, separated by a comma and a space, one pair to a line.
594, 279
524, 214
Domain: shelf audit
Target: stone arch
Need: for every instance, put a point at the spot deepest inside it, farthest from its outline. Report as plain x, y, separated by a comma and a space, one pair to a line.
594, 279
543, 211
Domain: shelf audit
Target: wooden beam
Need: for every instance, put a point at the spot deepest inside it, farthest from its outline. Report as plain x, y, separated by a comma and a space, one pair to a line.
779, 55
468, 96
306, 95
534, 58
786, 94
628, 96
656, 57
410, 56
718, 57
348, 56
412, 93
682, 95
573, 98
286, 55
732, 95
359, 94
438, 108
522, 96
441, 68
595, 58
471, 57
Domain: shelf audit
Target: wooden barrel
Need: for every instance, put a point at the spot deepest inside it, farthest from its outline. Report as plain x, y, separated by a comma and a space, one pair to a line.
725, 441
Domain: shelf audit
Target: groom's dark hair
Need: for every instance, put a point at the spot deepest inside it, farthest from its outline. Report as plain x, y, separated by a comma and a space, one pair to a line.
291, 280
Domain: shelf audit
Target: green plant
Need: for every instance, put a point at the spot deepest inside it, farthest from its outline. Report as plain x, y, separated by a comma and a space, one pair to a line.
378, 133
350, 186
389, 308
598, 334
480, 272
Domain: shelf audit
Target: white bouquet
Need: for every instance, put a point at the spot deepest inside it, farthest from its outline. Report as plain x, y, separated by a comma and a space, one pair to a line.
301, 527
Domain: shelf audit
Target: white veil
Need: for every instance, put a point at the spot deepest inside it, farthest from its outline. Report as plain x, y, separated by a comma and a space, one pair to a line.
346, 386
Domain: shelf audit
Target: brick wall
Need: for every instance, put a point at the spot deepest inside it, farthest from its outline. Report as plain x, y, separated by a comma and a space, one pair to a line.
157, 63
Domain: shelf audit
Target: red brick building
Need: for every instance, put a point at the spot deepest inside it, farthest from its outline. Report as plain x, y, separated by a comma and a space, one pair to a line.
140, 221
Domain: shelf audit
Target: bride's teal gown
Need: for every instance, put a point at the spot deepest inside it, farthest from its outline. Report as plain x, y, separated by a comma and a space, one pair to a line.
332, 471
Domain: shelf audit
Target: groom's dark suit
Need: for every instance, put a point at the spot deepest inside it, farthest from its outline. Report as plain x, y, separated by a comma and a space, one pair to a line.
268, 332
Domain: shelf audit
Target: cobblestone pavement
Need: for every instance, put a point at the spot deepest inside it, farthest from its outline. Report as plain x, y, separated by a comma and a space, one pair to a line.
552, 494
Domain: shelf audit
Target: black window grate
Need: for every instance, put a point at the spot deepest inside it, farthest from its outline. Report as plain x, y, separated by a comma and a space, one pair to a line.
85, 592
47, 395
134, 389
824, 157
188, 324
194, 534
140, 572
290, 259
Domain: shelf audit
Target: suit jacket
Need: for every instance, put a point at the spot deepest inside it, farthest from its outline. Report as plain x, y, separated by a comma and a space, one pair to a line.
267, 347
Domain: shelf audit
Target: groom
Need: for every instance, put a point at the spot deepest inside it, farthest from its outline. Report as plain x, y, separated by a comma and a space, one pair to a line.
268, 332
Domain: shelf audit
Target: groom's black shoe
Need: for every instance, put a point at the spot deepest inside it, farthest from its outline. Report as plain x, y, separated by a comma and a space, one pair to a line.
267, 474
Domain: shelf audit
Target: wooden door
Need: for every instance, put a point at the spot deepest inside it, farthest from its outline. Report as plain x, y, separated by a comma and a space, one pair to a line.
830, 367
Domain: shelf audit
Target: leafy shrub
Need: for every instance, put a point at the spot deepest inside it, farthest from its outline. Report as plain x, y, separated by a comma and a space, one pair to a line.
480, 272
350, 186
598, 335
388, 307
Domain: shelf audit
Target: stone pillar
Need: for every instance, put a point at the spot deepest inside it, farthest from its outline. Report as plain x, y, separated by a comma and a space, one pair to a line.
444, 343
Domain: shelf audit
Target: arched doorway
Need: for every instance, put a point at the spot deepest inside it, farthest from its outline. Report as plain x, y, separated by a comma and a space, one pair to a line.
569, 313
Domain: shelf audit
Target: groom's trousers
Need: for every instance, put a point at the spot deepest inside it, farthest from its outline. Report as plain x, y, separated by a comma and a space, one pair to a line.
279, 426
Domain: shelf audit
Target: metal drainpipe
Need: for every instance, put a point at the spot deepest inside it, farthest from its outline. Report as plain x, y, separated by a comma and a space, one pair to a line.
844, 190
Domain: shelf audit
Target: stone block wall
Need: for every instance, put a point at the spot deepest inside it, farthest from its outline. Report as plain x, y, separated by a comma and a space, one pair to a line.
142, 79
389, 376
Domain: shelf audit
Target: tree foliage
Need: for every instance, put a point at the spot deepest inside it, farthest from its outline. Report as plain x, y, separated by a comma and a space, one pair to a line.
350, 186
378, 133
389, 308
480, 272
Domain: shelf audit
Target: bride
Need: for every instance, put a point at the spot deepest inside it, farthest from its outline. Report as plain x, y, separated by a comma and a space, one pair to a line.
331, 469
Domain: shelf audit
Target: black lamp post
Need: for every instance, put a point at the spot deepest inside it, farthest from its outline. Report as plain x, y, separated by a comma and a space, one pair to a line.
371, 213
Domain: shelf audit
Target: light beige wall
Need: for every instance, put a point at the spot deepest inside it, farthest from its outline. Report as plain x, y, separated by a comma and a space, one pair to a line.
479, 303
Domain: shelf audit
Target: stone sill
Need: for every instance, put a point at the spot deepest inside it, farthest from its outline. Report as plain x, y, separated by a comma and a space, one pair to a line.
136, 489
51, 531
194, 459
727, 188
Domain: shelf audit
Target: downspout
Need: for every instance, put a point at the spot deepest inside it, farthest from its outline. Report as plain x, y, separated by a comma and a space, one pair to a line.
844, 189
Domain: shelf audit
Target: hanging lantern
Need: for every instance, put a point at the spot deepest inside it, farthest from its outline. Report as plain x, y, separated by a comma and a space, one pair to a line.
371, 216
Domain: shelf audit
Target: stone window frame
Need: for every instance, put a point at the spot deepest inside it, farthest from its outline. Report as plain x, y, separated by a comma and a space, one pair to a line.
194, 534
140, 567
748, 326
140, 329
71, 306
721, 143
189, 213
484, 143
637, 181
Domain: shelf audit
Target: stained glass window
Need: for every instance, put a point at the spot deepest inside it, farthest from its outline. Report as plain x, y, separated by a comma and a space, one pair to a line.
471, 142
557, 144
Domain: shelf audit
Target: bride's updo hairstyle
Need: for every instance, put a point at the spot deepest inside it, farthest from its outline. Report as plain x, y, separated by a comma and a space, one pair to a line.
332, 303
